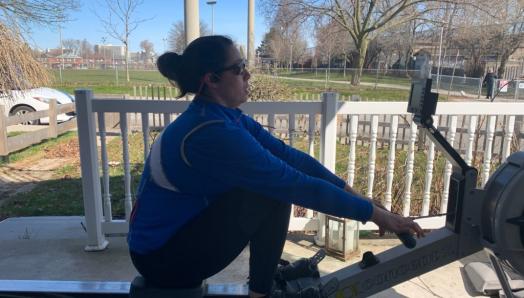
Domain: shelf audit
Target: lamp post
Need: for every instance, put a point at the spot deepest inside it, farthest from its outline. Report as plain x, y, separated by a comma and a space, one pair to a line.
212, 3
60, 19
439, 57
61, 67
115, 65
104, 51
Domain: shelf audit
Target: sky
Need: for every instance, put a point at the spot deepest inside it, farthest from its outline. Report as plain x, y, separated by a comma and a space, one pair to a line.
230, 18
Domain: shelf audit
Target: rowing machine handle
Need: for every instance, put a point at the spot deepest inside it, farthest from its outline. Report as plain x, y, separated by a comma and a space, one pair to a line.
407, 239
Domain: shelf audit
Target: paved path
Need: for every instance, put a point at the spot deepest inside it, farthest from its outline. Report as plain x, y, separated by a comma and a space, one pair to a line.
23, 176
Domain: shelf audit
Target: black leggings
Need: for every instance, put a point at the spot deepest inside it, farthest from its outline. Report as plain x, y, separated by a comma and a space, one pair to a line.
209, 242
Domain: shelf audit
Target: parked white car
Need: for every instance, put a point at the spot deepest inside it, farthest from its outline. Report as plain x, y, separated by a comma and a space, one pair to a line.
37, 99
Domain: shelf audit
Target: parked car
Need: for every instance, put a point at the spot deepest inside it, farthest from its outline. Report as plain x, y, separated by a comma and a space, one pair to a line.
37, 99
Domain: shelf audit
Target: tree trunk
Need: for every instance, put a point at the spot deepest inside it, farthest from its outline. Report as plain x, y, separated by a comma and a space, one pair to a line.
127, 62
362, 47
502, 67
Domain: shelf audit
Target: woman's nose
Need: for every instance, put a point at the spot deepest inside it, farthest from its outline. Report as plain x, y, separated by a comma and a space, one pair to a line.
247, 75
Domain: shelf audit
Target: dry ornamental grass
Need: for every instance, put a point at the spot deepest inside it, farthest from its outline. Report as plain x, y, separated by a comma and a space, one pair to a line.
18, 68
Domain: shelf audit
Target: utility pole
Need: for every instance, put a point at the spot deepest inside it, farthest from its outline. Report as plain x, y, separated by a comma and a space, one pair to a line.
114, 65
212, 3
251, 33
104, 51
61, 67
191, 20
439, 57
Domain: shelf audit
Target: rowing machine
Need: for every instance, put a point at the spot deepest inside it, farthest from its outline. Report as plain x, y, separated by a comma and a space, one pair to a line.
490, 218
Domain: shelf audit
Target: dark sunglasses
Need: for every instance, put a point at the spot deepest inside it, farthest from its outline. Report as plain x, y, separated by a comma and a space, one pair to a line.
238, 68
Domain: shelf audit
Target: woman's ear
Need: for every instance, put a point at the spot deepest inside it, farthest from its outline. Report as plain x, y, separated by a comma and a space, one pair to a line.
211, 78
214, 78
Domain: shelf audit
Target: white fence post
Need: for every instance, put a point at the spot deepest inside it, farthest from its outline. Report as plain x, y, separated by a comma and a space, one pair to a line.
4, 151
328, 148
89, 169
53, 113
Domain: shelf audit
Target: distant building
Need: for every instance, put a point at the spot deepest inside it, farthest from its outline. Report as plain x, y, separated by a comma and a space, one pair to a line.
53, 58
104, 57
110, 51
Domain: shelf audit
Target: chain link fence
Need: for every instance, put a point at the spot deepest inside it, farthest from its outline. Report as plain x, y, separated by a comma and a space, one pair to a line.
458, 85
455, 86
507, 90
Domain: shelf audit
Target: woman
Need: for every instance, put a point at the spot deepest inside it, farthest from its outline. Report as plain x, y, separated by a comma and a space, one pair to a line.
215, 180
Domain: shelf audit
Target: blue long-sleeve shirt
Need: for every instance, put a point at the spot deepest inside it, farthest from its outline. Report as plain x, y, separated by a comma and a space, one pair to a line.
210, 149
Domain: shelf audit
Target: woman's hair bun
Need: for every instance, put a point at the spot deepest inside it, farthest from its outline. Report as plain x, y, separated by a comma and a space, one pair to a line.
169, 64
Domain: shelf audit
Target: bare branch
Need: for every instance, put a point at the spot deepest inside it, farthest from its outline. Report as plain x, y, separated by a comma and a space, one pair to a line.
125, 24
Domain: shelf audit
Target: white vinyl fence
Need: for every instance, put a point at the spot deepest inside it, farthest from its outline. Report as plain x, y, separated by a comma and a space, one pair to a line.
374, 119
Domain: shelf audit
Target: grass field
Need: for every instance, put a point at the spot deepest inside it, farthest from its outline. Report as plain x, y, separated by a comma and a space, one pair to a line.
338, 75
104, 82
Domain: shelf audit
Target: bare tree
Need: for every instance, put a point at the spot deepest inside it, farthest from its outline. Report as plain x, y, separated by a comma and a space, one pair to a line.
72, 45
44, 12
509, 33
177, 39
362, 19
396, 43
476, 44
276, 46
148, 49
330, 41
473, 31
86, 49
290, 31
18, 66
121, 21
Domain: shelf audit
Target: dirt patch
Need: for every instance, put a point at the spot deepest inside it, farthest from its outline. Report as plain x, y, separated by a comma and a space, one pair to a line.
23, 176
68, 150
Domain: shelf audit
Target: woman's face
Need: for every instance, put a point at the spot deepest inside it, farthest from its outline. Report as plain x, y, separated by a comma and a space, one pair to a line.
231, 89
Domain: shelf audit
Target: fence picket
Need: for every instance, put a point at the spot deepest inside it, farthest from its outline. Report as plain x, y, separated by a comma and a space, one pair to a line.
391, 161
106, 193
311, 134
372, 154
406, 203
353, 131
127, 170
448, 167
429, 173
271, 123
145, 133
508, 137
291, 129
490, 132
471, 138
